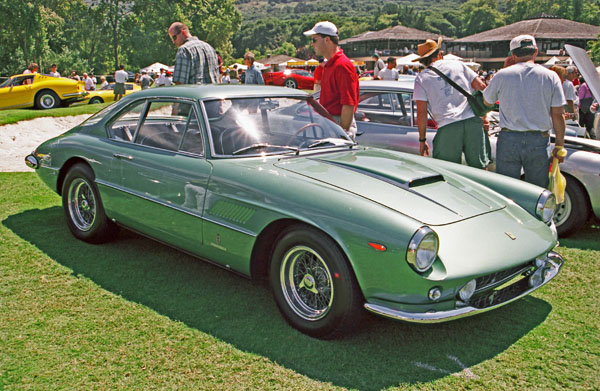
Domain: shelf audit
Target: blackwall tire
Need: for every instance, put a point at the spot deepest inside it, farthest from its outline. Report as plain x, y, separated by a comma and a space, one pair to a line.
574, 212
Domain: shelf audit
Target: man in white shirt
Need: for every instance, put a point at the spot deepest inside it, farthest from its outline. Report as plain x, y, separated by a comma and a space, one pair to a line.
389, 73
459, 130
89, 83
160, 82
531, 104
53, 71
120, 79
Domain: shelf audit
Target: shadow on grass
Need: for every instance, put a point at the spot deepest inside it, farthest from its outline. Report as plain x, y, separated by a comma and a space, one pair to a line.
585, 238
382, 353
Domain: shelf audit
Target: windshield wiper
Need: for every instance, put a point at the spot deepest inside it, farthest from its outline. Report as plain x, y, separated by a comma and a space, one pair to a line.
263, 145
333, 141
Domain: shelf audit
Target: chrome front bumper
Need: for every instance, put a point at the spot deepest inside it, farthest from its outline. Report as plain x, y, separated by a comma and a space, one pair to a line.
547, 272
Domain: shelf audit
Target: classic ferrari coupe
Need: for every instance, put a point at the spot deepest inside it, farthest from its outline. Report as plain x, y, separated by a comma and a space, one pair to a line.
260, 181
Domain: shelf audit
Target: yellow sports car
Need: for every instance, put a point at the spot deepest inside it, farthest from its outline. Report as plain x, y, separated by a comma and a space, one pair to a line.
40, 91
107, 94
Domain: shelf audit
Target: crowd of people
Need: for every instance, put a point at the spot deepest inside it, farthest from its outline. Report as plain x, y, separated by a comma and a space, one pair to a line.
524, 90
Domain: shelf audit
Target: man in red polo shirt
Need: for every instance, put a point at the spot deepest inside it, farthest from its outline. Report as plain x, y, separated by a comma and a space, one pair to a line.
339, 85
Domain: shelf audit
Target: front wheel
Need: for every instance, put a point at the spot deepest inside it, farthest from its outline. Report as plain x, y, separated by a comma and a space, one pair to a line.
312, 284
574, 211
290, 83
46, 99
96, 100
83, 208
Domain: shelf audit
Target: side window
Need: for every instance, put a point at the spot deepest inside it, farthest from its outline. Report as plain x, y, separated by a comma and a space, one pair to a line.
375, 101
192, 140
124, 127
164, 125
402, 108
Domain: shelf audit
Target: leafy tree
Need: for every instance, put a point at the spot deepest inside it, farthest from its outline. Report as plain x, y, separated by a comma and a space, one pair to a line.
480, 15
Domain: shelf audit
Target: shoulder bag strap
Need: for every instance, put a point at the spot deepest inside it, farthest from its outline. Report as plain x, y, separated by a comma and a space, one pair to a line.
451, 82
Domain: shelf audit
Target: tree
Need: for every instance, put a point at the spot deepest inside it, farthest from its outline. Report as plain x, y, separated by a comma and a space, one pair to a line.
480, 15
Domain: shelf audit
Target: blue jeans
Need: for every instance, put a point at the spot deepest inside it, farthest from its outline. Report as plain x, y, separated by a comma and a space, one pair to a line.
524, 150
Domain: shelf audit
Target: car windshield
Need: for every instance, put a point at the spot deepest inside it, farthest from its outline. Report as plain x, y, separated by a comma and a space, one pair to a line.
261, 126
5, 83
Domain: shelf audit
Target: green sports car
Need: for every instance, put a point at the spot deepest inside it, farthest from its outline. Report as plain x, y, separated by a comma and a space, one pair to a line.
260, 181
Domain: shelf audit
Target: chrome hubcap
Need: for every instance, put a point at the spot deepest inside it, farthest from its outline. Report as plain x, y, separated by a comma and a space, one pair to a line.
563, 211
306, 283
82, 204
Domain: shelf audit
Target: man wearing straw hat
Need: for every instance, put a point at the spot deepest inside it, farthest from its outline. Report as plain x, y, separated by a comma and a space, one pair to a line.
459, 130
531, 104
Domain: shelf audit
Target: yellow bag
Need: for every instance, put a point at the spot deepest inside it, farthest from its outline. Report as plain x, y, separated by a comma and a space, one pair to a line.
557, 183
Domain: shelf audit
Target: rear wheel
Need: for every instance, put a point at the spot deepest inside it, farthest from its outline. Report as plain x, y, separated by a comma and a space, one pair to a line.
83, 208
46, 99
574, 211
313, 286
96, 100
290, 83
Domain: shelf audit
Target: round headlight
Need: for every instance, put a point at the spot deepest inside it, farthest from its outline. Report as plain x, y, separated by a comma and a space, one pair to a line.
422, 249
545, 206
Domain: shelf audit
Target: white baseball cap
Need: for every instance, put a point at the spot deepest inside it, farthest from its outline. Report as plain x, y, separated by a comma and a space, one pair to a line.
325, 28
523, 42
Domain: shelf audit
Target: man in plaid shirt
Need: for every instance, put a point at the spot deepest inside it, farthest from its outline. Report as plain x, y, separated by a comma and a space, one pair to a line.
196, 61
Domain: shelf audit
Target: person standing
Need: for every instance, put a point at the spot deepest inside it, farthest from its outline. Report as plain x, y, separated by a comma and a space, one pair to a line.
378, 66
318, 74
89, 83
196, 61
586, 114
568, 90
389, 73
120, 79
531, 105
460, 131
145, 80
339, 86
253, 75
53, 71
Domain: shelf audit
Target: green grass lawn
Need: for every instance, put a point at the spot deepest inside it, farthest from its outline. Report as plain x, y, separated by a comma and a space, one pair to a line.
16, 115
136, 315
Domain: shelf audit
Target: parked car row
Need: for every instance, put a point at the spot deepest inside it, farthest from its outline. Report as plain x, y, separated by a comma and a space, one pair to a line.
39, 91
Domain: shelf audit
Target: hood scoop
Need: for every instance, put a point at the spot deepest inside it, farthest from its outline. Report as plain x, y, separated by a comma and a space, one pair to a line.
398, 183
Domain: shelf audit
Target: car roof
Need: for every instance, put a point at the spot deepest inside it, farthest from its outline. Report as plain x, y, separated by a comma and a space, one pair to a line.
219, 91
405, 83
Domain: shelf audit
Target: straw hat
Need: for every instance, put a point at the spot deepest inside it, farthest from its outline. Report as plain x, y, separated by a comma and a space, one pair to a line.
427, 48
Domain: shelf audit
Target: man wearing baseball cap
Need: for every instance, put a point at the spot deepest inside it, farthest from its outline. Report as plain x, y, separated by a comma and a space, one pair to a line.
339, 83
460, 130
531, 105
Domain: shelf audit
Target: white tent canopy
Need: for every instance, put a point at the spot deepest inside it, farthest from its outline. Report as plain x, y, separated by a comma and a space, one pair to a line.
473, 65
557, 61
451, 56
408, 60
156, 67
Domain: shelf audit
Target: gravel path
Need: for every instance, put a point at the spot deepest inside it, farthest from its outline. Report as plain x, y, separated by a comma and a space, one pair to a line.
20, 139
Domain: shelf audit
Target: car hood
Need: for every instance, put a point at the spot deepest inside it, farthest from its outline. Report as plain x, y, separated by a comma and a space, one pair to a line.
401, 183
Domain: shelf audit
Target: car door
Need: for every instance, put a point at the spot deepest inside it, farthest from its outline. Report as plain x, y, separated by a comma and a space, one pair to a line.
18, 93
162, 188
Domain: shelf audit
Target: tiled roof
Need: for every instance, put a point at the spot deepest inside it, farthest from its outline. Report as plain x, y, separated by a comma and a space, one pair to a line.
393, 33
543, 28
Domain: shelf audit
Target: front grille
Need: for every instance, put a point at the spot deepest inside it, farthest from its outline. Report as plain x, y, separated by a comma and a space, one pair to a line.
491, 280
500, 296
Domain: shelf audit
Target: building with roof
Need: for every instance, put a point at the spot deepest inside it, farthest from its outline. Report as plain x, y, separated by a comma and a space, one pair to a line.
491, 47
393, 41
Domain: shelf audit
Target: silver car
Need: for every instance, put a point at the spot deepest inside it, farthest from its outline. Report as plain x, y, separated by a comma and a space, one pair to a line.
386, 118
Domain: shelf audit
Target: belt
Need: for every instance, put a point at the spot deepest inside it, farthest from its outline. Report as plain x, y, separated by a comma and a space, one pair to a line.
544, 133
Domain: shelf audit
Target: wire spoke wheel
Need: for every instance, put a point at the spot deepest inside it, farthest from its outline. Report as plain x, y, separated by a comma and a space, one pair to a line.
82, 204
306, 283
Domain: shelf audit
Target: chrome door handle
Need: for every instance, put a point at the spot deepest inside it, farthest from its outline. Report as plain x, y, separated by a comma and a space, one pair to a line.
119, 156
